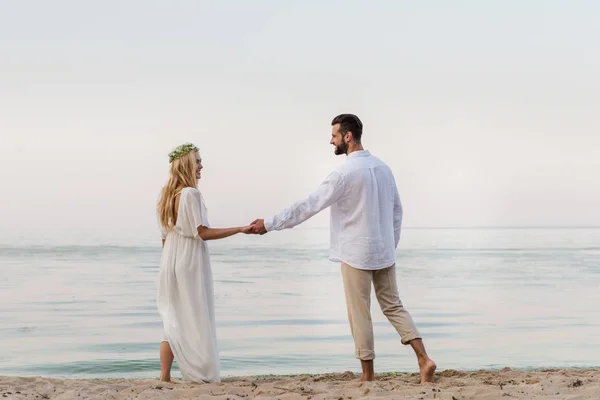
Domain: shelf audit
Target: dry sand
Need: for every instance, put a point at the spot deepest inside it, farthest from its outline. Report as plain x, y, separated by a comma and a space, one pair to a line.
452, 385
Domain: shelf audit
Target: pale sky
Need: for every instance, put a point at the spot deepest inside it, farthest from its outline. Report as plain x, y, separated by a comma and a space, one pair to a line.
488, 112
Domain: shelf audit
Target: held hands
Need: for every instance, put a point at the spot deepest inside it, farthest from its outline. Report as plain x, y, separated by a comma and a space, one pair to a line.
257, 227
248, 229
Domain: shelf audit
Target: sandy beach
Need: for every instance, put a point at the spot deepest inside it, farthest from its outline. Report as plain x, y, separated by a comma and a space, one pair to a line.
450, 384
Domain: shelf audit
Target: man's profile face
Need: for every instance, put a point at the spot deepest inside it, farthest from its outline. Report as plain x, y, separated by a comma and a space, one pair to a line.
337, 139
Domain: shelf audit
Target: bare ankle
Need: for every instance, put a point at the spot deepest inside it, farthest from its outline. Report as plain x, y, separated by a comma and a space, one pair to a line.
368, 371
367, 378
165, 377
423, 360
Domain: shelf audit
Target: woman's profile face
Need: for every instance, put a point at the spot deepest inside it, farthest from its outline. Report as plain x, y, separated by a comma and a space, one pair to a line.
198, 165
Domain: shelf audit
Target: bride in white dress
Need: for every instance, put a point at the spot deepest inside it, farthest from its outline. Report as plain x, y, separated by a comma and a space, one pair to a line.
185, 287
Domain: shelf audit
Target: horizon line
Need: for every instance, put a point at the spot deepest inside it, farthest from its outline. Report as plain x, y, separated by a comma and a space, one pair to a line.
489, 227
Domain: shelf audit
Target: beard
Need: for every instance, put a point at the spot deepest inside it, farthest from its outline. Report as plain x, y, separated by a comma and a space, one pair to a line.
341, 149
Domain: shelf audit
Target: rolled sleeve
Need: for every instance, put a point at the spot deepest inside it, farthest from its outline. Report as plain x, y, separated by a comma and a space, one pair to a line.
269, 224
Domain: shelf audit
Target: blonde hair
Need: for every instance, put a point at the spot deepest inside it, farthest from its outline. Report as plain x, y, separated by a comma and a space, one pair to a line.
183, 174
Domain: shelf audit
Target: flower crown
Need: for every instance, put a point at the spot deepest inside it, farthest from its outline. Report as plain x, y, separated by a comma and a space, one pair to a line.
181, 151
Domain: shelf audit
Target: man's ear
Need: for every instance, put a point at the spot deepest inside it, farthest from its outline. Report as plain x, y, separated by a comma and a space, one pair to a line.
348, 136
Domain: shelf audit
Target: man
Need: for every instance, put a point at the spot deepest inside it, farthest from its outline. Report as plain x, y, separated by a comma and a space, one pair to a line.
366, 216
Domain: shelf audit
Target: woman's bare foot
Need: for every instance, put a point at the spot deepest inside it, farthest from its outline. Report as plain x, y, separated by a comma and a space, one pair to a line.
165, 377
166, 360
427, 369
366, 378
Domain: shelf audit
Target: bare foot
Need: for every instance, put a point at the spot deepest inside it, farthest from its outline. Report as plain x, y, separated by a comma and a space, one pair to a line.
366, 378
427, 370
165, 378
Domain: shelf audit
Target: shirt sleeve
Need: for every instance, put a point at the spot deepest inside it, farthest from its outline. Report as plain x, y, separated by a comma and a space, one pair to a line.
329, 192
191, 213
397, 216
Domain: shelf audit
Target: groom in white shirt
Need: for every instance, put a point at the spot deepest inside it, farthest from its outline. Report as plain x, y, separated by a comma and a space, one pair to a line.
366, 217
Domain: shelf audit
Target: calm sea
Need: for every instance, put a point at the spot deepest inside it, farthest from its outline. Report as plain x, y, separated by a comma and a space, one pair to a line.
482, 298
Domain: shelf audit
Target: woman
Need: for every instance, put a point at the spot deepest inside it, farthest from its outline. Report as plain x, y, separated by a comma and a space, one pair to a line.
185, 288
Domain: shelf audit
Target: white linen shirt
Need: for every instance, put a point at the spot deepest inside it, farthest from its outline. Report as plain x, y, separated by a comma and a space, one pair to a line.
366, 212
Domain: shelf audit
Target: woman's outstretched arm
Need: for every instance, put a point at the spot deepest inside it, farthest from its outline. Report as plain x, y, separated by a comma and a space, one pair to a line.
221, 233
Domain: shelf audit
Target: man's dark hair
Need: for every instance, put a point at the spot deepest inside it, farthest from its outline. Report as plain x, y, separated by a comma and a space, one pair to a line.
349, 123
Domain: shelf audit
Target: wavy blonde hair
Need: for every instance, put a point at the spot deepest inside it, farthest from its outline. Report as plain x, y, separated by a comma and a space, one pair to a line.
183, 174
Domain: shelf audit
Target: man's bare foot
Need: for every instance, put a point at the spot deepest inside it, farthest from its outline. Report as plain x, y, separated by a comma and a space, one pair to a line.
427, 369
368, 371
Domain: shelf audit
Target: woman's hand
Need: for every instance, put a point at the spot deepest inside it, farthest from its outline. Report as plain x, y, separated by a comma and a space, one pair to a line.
248, 229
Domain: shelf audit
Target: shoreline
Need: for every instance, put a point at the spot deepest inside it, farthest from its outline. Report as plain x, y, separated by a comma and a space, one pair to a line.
548, 383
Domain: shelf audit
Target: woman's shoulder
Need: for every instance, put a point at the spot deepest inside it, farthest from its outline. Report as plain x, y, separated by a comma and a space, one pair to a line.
190, 191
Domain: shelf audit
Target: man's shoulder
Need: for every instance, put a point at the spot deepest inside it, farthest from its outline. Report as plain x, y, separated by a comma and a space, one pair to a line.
366, 162
379, 163
376, 160
337, 174
352, 166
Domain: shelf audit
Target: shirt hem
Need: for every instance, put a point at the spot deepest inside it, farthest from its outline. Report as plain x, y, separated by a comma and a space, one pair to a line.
365, 268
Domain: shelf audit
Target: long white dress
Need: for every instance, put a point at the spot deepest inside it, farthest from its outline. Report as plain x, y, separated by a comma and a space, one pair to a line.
186, 295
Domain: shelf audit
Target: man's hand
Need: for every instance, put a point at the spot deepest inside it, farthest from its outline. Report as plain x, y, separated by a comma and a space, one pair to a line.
259, 226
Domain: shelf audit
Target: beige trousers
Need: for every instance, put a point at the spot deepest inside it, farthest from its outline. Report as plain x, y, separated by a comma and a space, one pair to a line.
357, 287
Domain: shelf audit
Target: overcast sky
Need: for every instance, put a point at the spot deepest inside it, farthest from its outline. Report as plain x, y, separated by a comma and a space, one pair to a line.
488, 112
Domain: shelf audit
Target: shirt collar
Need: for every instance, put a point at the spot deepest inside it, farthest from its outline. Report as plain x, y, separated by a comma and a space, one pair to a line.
360, 153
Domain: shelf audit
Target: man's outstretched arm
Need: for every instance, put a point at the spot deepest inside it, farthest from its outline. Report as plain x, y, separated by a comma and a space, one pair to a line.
325, 195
